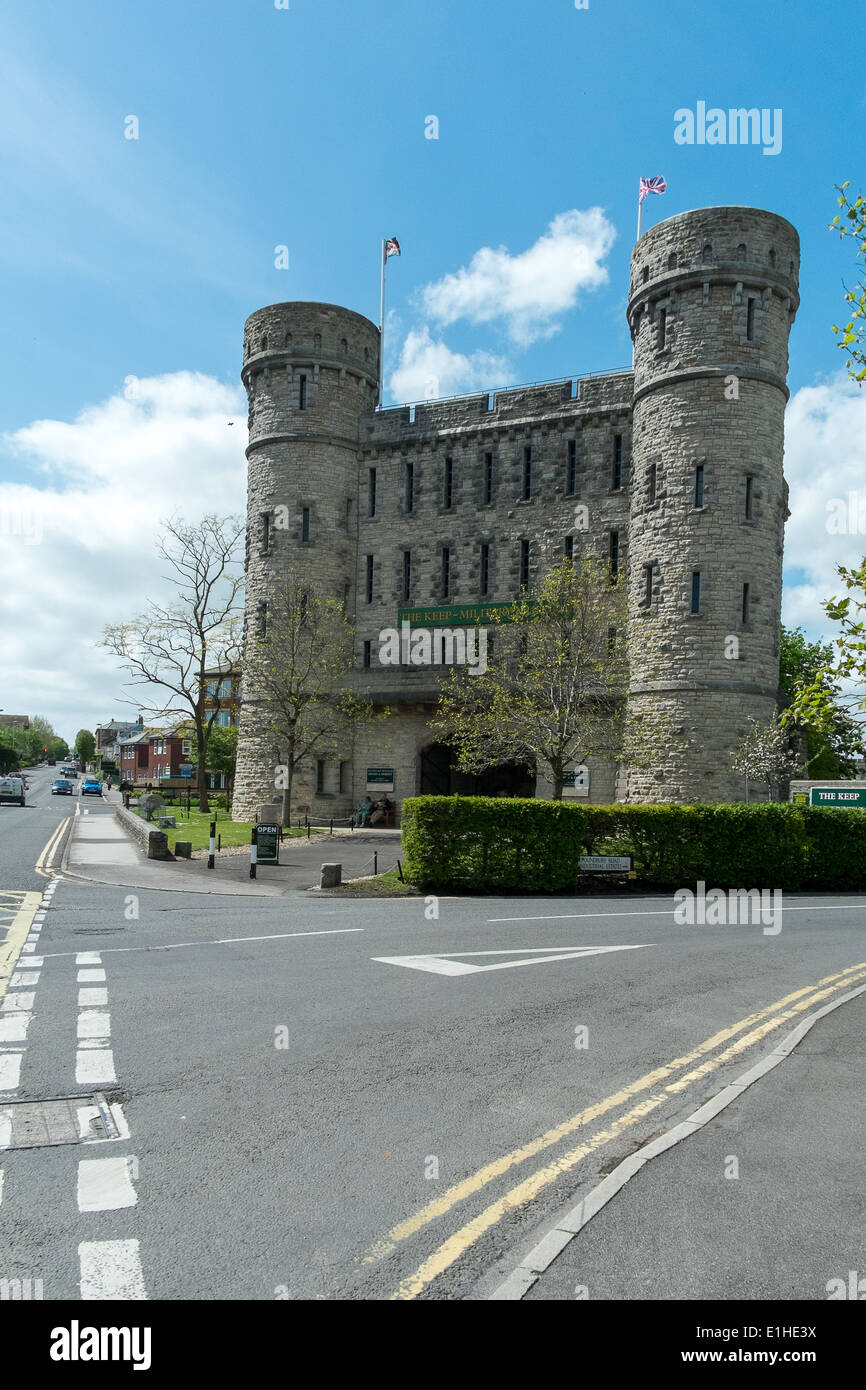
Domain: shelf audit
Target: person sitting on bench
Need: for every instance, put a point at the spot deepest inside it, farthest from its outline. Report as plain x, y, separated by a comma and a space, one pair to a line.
382, 807
363, 811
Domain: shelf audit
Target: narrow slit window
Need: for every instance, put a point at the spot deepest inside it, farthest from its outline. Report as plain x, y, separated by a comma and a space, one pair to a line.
749, 498
368, 586
569, 547
488, 478
648, 585
302, 393
571, 471
527, 474
265, 539
448, 497
524, 564
410, 486
699, 485
613, 554
750, 320
407, 575
485, 569
747, 603
371, 493
446, 572
696, 591
663, 327
617, 462
368, 655
305, 524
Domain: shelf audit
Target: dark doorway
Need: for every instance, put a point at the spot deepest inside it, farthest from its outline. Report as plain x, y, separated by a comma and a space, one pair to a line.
440, 778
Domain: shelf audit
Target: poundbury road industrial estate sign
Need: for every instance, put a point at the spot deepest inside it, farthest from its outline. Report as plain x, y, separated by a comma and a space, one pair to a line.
837, 796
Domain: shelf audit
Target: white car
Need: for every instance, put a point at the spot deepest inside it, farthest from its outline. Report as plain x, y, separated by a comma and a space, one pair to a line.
12, 789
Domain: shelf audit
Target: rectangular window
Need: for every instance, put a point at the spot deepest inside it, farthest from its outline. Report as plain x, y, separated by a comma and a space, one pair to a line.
648, 585
524, 564
345, 777
320, 776
699, 485
485, 569
571, 471
265, 537
569, 547
368, 658
614, 554
651, 485
617, 462
368, 581
446, 572
305, 524
410, 486
488, 478
663, 327
527, 474
448, 491
696, 591
407, 575
746, 603
302, 393
750, 319
371, 492
749, 497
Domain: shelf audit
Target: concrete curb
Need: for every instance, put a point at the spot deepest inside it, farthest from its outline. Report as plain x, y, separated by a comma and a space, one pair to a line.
542, 1255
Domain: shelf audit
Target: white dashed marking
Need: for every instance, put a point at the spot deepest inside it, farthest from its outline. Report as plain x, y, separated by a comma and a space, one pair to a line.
105, 1184
111, 1269
88, 997
94, 1023
94, 1067
91, 976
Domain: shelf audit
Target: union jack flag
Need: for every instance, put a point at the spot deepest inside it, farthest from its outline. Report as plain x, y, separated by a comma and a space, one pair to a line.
656, 185
392, 247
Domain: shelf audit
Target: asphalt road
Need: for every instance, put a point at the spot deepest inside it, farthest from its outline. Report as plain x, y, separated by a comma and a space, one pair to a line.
308, 1120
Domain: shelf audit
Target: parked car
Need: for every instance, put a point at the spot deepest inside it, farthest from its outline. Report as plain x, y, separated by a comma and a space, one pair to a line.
91, 786
61, 786
12, 789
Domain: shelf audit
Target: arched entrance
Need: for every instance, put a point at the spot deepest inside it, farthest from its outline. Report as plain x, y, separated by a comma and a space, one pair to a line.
439, 777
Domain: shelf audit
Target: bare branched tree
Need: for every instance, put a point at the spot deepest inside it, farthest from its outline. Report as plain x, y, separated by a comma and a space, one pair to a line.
171, 645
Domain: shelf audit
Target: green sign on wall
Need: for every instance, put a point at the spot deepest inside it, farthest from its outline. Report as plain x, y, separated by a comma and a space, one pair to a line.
459, 615
837, 796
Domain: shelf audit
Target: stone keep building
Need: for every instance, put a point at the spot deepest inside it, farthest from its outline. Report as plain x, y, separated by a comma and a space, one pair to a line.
454, 504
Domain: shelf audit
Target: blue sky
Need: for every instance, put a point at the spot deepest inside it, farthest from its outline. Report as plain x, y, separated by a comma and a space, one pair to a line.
305, 126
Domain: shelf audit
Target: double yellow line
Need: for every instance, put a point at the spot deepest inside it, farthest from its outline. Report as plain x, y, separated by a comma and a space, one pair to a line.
45, 861
754, 1028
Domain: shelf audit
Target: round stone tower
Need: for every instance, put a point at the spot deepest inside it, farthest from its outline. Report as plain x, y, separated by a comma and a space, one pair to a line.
310, 372
712, 297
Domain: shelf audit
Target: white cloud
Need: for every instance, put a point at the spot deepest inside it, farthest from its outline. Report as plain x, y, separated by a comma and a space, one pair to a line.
529, 291
825, 464
79, 550
429, 369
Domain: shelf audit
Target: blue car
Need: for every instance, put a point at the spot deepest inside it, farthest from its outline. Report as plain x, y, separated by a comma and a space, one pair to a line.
91, 786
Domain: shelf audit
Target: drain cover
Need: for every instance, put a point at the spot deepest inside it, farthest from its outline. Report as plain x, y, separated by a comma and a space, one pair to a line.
39, 1124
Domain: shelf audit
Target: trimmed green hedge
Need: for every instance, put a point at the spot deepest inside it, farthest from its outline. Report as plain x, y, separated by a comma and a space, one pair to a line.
497, 844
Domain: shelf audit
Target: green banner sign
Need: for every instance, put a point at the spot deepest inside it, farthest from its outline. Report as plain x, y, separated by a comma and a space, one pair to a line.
459, 615
377, 775
837, 796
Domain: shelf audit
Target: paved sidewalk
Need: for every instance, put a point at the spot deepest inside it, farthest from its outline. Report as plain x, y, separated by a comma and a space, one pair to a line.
766, 1201
100, 851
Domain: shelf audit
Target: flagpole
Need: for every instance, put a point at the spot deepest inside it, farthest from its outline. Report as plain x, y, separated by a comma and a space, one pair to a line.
639, 211
382, 327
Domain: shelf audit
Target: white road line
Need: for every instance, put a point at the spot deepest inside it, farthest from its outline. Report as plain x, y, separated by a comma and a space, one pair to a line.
88, 997
5, 1129
87, 1113
666, 912
94, 977
94, 1067
220, 941
88, 958
111, 1269
105, 1184
94, 1023
13, 1028
1, 1186
10, 1070
17, 1003
24, 979
444, 964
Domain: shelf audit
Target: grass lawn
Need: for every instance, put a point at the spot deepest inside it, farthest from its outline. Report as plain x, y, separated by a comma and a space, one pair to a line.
195, 827
384, 886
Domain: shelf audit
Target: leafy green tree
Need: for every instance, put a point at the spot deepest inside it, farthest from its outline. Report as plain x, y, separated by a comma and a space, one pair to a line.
555, 692
171, 645
840, 682
296, 673
852, 336
829, 749
222, 751
85, 745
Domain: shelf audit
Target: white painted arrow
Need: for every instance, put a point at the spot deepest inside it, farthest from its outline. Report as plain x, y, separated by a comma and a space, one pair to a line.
445, 964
